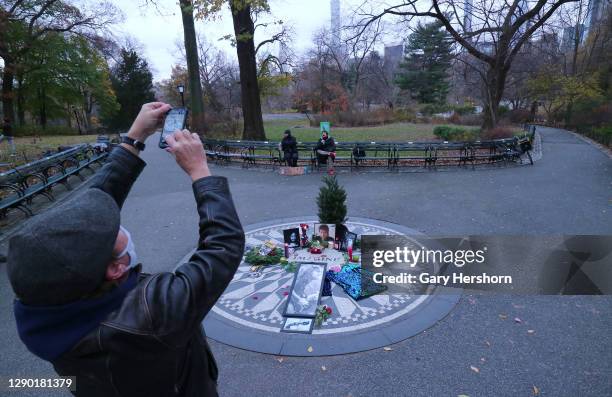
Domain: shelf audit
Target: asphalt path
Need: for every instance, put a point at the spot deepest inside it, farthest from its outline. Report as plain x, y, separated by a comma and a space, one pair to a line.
488, 345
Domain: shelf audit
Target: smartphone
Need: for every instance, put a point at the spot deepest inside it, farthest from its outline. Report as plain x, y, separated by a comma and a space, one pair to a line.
176, 119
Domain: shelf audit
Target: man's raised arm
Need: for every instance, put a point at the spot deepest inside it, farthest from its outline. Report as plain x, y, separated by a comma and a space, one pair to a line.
124, 164
184, 297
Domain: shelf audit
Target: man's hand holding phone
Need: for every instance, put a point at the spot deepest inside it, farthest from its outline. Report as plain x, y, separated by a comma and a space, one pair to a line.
187, 149
148, 120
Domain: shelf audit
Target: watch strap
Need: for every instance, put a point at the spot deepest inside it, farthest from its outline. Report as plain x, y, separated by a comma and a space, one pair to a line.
133, 142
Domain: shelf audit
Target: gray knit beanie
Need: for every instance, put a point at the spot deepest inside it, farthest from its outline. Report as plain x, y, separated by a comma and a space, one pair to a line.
62, 254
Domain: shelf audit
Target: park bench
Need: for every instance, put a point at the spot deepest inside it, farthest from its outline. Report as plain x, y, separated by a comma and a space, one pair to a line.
19, 186
263, 152
409, 154
377, 154
372, 154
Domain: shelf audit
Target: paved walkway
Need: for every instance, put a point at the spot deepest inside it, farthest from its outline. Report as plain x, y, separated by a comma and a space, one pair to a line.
570, 353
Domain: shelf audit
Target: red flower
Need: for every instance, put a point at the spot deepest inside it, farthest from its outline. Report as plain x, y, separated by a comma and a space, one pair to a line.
285, 293
328, 309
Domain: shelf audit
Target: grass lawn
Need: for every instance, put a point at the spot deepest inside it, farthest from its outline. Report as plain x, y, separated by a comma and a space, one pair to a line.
28, 148
390, 132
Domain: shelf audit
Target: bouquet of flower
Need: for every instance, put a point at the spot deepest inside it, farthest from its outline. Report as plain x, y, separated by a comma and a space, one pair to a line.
323, 313
315, 247
262, 256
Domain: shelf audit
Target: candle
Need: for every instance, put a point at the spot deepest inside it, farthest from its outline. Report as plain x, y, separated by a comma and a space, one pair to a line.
286, 250
350, 253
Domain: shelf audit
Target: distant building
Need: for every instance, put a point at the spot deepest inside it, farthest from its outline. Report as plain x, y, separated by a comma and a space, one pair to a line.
570, 36
394, 55
467, 15
391, 60
336, 22
597, 10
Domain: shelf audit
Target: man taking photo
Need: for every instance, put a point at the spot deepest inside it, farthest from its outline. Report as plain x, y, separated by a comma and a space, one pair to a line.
82, 302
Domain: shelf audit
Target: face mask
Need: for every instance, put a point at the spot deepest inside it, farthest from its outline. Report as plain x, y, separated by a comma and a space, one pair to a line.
130, 249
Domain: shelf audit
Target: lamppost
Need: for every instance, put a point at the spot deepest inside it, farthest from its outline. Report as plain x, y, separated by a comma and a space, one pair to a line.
181, 89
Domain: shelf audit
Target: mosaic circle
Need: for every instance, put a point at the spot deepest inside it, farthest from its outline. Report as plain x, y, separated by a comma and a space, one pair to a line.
252, 306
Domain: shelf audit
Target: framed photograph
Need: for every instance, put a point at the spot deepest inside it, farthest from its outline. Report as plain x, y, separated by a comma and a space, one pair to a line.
349, 241
298, 325
306, 290
292, 237
325, 233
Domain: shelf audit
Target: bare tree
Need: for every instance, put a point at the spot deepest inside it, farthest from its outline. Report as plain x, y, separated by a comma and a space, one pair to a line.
283, 37
353, 59
493, 32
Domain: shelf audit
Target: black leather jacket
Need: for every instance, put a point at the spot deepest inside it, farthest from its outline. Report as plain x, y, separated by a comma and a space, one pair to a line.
154, 344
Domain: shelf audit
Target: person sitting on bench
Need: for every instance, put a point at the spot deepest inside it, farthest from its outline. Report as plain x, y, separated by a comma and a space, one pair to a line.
326, 147
289, 147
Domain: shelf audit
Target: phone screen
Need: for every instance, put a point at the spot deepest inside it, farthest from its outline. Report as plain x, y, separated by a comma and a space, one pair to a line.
175, 120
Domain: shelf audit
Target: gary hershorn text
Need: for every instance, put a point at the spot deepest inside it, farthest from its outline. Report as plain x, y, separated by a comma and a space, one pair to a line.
426, 278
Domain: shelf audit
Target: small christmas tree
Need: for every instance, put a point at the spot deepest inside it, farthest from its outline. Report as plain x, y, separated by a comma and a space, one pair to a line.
332, 202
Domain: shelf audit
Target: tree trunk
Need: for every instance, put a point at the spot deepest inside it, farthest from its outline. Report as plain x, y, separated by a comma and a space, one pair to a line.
494, 87
88, 109
198, 121
43, 108
245, 48
8, 77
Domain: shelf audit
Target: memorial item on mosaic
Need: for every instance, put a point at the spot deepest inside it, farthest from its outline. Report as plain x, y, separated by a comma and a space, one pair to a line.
306, 290
324, 234
323, 313
350, 280
264, 255
292, 237
348, 242
320, 259
319, 254
298, 325
304, 231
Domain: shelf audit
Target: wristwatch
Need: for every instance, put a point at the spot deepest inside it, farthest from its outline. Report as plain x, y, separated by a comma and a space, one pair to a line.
133, 142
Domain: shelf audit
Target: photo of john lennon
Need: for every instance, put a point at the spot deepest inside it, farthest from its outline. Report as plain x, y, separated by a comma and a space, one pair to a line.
325, 233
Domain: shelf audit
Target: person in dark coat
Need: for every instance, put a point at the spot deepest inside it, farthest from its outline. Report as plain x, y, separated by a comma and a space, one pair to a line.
82, 301
7, 134
326, 147
288, 146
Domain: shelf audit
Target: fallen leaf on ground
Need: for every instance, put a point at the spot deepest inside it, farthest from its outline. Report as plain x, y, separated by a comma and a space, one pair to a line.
483, 359
536, 391
475, 369
517, 320
280, 359
323, 368
309, 349
531, 331
488, 343
503, 316
518, 306
387, 349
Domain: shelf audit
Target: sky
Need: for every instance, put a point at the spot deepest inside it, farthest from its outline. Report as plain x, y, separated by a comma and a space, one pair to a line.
158, 34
